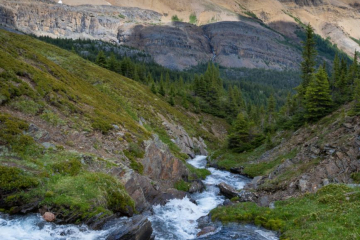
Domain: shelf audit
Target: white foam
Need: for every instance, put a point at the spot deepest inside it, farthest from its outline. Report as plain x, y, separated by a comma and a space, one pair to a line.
33, 227
177, 219
198, 162
267, 234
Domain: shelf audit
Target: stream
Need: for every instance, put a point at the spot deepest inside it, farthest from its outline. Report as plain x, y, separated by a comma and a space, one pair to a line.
177, 220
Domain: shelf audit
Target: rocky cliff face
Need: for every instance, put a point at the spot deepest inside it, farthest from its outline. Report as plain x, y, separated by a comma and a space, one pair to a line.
178, 46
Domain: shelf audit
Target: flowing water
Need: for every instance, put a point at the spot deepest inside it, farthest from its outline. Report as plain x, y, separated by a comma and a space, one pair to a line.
177, 220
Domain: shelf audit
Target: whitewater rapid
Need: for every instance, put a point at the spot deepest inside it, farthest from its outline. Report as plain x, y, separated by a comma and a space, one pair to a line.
33, 227
177, 220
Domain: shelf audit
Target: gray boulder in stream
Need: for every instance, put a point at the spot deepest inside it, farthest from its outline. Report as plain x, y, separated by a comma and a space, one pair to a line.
137, 228
227, 190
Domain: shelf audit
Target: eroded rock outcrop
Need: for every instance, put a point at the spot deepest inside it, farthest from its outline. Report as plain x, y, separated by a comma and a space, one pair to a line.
324, 155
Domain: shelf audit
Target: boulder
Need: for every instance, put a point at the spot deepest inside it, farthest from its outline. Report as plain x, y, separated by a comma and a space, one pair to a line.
247, 196
227, 190
254, 183
196, 186
49, 217
170, 194
303, 185
138, 228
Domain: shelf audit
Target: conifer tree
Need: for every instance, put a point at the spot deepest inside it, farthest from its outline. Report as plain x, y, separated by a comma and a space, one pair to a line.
356, 103
112, 62
101, 59
239, 137
171, 100
309, 63
162, 89
153, 88
335, 73
318, 99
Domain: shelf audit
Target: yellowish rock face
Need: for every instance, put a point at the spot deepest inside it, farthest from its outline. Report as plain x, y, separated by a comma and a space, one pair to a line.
338, 20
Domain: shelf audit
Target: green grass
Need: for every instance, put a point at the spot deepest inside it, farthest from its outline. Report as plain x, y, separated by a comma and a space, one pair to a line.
264, 168
228, 159
182, 186
196, 173
330, 214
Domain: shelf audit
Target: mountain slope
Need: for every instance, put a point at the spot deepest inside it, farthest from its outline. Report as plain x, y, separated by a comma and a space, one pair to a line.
68, 125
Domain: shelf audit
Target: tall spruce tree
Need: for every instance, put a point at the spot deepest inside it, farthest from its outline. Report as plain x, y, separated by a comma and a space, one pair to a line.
239, 137
309, 63
101, 59
162, 87
356, 103
318, 98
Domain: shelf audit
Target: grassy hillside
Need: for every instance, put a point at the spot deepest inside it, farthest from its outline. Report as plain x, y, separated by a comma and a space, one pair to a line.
65, 122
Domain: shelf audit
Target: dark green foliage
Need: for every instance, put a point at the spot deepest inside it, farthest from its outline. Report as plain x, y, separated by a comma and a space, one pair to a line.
193, 18
171, 101
101, 59
175, 18
69, 167
309, 63
101, 125
356, 103
317, 97
14, 179
239, 139
153, 88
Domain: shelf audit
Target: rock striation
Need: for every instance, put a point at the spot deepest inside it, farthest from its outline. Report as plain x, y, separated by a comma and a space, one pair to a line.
178, 45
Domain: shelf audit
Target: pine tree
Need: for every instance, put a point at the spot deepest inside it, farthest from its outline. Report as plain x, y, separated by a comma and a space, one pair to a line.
112, 62
197, 106
101, 59
162, 89
153, 88
171, 101
184, 102
318, 99
335, 73
309, 63
239, 137
356, 103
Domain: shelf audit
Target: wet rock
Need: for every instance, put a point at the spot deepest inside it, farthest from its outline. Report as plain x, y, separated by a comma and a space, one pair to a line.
206, 230
49, 217
196, 186
227, 202
138, 228
170, 194
237, 170
227, 190
247, 196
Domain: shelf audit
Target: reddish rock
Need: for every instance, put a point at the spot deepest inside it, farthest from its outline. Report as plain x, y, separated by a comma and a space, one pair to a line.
49, 217
206, 230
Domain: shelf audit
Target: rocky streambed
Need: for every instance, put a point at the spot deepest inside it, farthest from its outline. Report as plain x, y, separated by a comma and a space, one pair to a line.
178, 219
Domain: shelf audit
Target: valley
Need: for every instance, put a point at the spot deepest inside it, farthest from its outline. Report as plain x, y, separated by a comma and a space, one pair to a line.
179, 120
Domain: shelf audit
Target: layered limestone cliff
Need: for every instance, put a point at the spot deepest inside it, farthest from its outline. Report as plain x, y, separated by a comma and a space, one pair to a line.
244, 43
